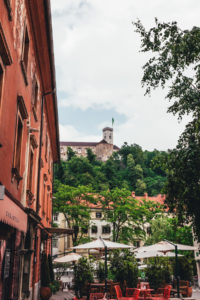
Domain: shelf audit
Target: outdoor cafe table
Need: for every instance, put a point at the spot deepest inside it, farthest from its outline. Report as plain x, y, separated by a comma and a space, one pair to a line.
99, 286
145, 292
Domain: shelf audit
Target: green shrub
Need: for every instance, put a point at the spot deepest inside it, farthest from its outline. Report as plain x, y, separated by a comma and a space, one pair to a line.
101, 272
55, 286
185, 268
123, 267
158, 272
83, 274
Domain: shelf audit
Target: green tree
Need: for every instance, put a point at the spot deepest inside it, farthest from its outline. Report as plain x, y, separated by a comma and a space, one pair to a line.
164, 227
91, 156
69, 201
127, 214
70, 153
140, 187
175, 64
134, 172
133, 149
123, 267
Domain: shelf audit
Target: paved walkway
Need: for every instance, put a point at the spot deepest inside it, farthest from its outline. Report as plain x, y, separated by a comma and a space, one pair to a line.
196, 294
63, 295
68, 295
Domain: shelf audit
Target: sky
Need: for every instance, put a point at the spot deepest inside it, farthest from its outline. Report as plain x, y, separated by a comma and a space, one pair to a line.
99, 69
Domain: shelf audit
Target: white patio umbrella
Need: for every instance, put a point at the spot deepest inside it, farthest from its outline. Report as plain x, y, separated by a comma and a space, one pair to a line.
102, 244
71, 257
164, 247
148, 254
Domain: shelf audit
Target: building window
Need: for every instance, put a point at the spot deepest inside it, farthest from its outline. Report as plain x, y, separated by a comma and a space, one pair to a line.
9, 9
46, 146
35, 92
94, 229
55, 217
55, 243
33, 146
24, 58
106, 229
79, 150
21, 115
30, 175
4, 50
137, 244
98, 215
19, 143
44, 196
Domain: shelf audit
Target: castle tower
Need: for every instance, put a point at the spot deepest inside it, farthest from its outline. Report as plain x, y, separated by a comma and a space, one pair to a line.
108, 135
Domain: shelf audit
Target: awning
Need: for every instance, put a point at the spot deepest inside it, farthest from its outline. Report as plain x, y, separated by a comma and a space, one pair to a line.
56, 230
12, 214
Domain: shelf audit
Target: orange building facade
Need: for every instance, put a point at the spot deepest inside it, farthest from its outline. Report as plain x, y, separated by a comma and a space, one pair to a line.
29, 144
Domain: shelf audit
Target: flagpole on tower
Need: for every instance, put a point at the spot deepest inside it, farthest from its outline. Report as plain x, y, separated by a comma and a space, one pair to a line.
113, 122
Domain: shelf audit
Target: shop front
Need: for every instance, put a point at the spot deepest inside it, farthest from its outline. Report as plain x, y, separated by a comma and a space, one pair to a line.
13, 227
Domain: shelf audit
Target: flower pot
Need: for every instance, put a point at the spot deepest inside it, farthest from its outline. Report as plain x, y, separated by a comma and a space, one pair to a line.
45, 292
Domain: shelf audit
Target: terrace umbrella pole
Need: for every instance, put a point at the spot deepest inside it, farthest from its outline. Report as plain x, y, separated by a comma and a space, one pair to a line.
176, 270
176, 267
106, 268
106, 264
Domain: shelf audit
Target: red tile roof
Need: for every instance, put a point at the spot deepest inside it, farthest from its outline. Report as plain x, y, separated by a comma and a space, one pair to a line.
157, 199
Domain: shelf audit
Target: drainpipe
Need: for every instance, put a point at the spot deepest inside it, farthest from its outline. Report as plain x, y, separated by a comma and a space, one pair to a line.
40, 147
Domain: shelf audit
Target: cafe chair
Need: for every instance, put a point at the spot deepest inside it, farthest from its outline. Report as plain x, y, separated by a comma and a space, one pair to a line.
164, 296
134, 296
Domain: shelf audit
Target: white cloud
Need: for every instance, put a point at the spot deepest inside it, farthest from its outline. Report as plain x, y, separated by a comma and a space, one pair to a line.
70, 133
99, 64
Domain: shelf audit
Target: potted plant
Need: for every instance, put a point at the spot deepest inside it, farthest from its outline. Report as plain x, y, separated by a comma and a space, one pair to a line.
45, 290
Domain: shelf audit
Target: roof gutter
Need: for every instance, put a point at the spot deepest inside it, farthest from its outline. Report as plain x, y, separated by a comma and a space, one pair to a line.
48, 20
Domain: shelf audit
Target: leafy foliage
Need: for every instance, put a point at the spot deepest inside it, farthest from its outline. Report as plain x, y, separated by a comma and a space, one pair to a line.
175, 64
127, 214
101, 272
164, 227
68, 200
158, 272
123, 267
83, 274
130, 168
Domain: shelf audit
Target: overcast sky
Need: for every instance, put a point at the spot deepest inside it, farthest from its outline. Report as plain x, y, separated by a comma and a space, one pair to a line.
99, 70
